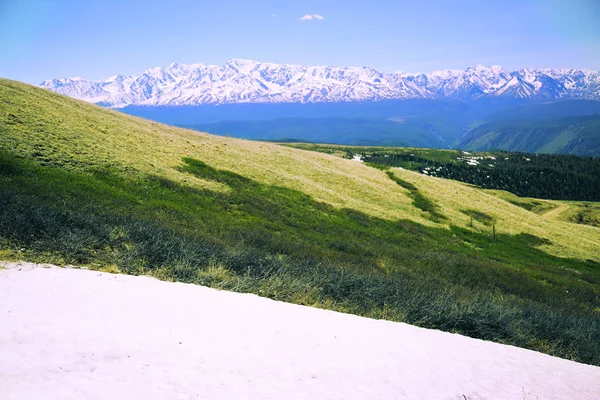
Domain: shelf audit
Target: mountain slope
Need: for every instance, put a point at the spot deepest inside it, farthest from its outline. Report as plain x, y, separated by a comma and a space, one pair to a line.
416, 122
567, 135
356, 131
245, 81
545, 109
83, 185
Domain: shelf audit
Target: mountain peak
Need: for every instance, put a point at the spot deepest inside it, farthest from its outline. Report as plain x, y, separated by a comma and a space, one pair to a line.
154, 69
445, 73
241, 65
115, 78
241, 61
482, 68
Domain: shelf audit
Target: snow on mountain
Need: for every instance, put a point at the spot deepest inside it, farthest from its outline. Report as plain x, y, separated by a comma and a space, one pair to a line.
245, 81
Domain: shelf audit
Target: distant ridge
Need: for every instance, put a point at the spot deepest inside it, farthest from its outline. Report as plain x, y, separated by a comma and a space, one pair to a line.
562, 135
245, 81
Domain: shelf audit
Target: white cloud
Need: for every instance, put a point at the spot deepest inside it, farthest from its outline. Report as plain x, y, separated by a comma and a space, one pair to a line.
309, 17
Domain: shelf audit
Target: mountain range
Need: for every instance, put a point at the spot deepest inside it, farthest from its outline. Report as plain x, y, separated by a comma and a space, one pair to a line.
245, 81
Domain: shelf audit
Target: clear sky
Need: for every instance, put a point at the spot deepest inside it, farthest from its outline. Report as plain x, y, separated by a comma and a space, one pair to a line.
43, 39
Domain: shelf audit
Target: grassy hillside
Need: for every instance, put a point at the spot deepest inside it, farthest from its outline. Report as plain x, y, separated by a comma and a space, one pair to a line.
586, 213
566, 135
546, 176
88, 186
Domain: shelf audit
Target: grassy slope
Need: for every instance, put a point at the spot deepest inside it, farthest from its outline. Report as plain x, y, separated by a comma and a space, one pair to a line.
513, 214
81, 184
453, 196
581, 212
566, 135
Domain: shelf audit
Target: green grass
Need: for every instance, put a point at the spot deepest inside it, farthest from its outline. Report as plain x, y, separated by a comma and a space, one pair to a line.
534, 205
558, 177
419, 201
479, 216
419, 155
132, 196
585, 213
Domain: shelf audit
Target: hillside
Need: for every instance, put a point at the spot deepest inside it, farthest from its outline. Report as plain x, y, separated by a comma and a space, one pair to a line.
542, 176
565, 135
89, 186
545, 110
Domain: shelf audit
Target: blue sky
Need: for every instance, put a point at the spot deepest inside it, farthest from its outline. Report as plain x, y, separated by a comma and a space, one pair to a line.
42, 39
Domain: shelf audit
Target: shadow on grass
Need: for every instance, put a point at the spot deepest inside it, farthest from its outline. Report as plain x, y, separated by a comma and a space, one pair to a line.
432, 211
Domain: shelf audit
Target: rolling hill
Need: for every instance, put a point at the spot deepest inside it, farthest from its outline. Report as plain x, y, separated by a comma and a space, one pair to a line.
557, 135
83, 185
545, 110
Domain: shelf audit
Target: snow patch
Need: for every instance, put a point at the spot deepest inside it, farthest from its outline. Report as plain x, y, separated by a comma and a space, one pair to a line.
69, 333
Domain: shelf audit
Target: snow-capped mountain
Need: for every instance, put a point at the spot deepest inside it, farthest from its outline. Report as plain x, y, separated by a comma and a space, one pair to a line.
244, 81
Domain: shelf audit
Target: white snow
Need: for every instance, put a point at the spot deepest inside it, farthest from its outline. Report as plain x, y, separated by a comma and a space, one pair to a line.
446, 73
247, 81
78, 334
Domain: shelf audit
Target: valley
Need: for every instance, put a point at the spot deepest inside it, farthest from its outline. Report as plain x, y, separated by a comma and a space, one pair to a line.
553, 111
88, 186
